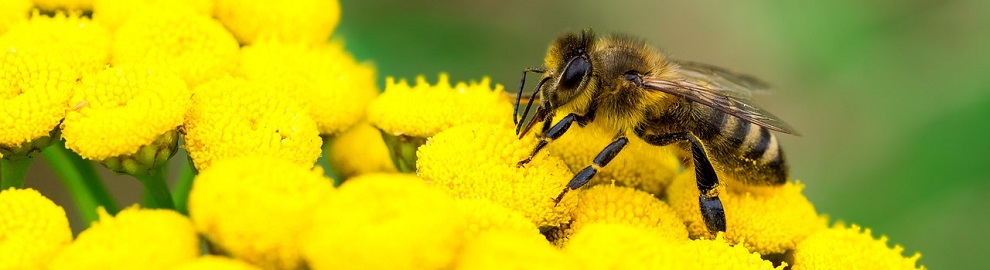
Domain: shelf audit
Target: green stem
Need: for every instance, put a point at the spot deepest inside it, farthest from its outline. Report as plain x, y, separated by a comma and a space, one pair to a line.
79, 177
183, 186
156, 193
14, 171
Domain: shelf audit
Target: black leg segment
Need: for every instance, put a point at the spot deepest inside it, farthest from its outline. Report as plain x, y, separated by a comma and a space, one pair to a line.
522, 84
552, 134
603, 158
707, 180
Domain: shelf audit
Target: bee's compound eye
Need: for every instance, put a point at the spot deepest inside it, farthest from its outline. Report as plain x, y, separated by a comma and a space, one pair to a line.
574, 73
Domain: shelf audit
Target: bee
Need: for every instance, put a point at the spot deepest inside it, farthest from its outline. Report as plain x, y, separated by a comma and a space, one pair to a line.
624, 85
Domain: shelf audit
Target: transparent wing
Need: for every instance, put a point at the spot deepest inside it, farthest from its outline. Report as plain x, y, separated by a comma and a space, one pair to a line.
725, 80
727, 93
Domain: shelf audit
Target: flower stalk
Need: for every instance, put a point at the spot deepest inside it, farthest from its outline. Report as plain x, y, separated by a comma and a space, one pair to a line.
79, 177
156, 194
14, 171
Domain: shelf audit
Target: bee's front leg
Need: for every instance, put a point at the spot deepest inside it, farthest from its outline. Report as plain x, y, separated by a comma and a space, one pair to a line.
602, 159
549, 135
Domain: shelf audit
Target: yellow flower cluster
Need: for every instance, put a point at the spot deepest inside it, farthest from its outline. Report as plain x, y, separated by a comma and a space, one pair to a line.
32, 229
845, 248
360, 150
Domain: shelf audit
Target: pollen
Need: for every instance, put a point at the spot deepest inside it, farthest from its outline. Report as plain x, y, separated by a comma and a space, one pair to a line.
769, 219
513, 250
842, 247
32, 229
35, 89
479, 161
233, 117
82, 44
484, 216
624, 205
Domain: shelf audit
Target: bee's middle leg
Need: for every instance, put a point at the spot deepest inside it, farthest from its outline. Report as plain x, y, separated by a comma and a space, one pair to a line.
602, 159
549, 135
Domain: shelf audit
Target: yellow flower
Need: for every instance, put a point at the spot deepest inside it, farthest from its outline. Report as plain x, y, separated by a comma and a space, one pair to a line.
425, 110
324, 79
705, 254
620, 246
211, 262
84, 45
769, 219
479, 161
13, 12
484, 216
134, 239
34, 89
623, 205
233, 117
254, 208
32, 229
385, 221
114, 13
64, 4
310, 21
513, 250
639, 165
850, 248
192, 45
360, 150
128, 113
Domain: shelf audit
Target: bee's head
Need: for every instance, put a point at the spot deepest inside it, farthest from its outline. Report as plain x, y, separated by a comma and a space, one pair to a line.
569, 68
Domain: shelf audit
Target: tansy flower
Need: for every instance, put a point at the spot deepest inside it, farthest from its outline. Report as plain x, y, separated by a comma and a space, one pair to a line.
126, 117
79, 42
13, 12
134, 239
309, 21
484, 216
620, 246
850, 248
623, 205
323, 78
233, 117
113, 13
512, 250
360, 150
192, 45
639, 165
35, 88
705, 254
767, 219
64, 4
254, 207
210, 262
32, 229
479, 161
408, 115
385, 221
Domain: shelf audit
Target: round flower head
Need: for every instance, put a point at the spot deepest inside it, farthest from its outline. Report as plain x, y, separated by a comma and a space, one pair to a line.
253, 207
310, 21
50, 5
79, 42
233, 117
211, 262
639, 165
134, 239
13, 12
32, 229
324, 79
192, 45
34, 88
620, 246
769, 219
385, 221
127, 116
850, 248
705, 254
360, 150
479, 161
113, 13
512, 250
623, 205
484, 216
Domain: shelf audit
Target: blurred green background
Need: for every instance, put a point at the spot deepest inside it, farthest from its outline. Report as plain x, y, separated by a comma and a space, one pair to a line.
892, 97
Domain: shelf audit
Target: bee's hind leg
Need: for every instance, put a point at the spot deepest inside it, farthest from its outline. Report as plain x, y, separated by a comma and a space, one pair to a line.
711, 206
550, 134
602, 159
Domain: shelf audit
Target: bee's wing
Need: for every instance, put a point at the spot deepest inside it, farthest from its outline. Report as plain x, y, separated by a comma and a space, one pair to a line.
735, 100
722, 78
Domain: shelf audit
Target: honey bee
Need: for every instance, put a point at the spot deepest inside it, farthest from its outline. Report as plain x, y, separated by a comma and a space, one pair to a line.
627, 87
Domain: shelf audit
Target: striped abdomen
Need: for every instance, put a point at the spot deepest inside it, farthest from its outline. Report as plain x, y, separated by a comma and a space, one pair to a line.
748, 152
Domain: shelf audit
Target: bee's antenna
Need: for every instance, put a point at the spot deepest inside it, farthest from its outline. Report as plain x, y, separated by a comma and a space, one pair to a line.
522, 85
530, 103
